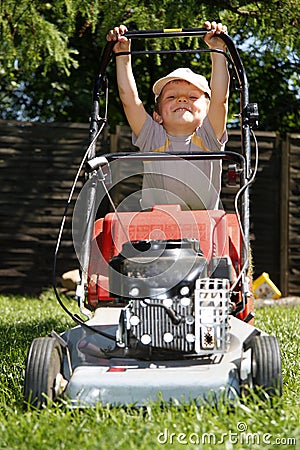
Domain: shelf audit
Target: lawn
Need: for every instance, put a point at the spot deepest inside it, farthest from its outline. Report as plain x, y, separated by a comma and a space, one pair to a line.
252, 423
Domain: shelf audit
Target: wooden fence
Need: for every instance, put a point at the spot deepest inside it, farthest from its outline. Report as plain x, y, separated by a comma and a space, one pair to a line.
290, 216
38, 163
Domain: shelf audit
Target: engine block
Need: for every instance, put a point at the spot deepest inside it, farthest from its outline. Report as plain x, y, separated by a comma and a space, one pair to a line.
191, 323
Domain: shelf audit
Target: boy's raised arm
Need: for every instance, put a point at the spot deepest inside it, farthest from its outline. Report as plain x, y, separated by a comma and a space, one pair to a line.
219, 84
132, 104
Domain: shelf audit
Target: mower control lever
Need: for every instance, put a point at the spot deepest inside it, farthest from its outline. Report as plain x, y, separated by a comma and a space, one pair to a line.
250, 115
96, 163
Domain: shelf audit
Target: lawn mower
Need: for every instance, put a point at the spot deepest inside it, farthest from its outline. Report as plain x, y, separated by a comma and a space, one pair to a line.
166, 308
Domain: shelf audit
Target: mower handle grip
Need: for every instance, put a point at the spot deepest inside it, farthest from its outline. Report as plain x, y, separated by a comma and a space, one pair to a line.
175, 32
165, 32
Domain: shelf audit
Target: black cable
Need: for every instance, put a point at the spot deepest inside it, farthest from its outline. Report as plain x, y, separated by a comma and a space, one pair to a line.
74, 317
173, 315
238, 194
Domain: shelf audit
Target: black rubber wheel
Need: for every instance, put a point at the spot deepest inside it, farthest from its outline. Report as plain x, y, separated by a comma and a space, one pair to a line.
266, 364
44, 363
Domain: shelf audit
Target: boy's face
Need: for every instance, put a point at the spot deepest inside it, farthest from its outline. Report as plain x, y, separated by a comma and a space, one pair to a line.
182, 108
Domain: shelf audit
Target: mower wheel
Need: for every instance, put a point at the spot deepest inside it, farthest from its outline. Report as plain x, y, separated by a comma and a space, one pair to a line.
266, 364
43, 367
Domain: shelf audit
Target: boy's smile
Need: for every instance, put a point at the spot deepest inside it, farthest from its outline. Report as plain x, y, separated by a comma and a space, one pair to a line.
182, 108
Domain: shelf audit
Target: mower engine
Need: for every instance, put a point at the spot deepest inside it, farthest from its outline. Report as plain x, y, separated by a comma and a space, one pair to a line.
161, 316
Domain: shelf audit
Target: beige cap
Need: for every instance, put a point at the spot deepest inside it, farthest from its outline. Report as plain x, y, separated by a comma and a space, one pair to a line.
182, 73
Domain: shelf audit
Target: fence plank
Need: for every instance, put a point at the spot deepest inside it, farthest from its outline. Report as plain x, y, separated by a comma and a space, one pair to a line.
292, 212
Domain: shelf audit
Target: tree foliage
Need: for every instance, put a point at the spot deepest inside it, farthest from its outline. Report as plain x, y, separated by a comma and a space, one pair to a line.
49, 53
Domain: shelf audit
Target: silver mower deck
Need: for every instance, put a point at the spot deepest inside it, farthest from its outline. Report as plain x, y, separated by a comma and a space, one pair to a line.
119, 381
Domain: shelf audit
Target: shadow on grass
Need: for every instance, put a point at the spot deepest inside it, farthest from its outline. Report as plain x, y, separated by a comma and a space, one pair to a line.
20, 335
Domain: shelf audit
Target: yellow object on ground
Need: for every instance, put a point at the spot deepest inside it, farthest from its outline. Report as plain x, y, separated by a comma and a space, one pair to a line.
263, 287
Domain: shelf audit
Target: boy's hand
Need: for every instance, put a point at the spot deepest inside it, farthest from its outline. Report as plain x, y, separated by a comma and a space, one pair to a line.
211, 38
117, 34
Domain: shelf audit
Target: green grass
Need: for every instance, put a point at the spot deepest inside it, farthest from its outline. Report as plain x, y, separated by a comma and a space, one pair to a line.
249, 424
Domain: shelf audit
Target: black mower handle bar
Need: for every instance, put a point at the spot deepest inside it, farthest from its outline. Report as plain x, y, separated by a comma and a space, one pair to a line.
97, 162
166, 32
234, 57
179, 33
107, 53
149, 156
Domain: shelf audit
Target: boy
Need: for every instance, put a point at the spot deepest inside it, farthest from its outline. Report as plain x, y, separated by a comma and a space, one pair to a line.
189, 116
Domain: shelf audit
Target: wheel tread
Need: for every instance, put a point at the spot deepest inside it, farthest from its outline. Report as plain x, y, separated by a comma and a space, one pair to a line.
266, 364
43, 360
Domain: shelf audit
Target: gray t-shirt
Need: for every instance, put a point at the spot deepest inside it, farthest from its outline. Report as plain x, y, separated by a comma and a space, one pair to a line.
193, 185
